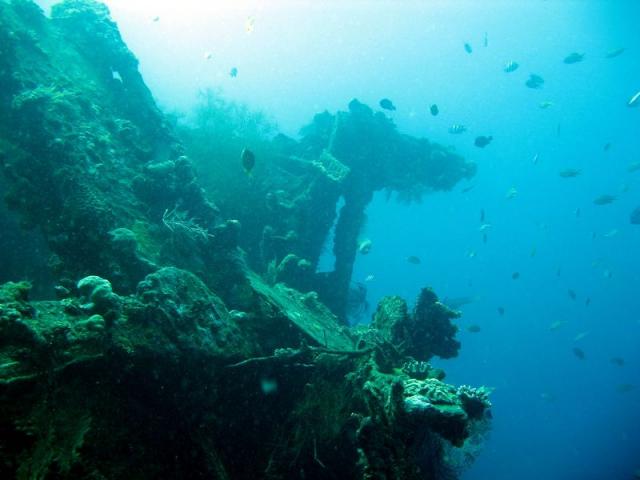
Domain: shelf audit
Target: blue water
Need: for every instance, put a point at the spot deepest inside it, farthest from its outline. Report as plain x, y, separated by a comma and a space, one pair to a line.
555, 416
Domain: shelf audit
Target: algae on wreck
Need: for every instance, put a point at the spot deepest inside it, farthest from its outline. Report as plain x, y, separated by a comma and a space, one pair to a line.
190, 327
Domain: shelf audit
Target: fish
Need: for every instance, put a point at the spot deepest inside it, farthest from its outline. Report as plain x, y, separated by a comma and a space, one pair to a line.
619, 361
467, 48
535, 159
572, 294
473, 328
557, 324
249, 25
434, 110
546, 104
511, 193
233, 73
533, 252
482, 215
634, 217
534, 81
456, 303
457, 129
547, 397
238, 314
501, 311
587, 302
570, 173
486, 40
580, 336
611, 233
633, 167
604, 199
387, 104
573, 58
634, 101
484, 227
607, 146
482, 141
614, 53
364, 246
412, 259
510, 66
515, 275
471, 254
155, 19
369, 278
248, 160
576, 212
484, 238
625, 388
578, 352
467, 189
208, 55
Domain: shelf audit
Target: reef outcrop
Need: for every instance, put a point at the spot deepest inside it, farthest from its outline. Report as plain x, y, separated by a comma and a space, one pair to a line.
168, 382
191, 335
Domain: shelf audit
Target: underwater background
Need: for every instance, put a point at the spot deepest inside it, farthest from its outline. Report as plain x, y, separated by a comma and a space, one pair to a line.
546, 274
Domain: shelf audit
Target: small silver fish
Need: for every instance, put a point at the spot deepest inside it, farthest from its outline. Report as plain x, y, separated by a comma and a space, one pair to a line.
510, 66
634, 101
614, 53
457, 128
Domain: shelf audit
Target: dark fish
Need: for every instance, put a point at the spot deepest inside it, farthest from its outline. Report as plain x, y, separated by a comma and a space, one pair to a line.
604, 199
486, 39
233, 73
414, 260
634, 218
473, 328
618, 361
614, 53
482, 141
482, 215
467, 48
607, 146
467, 189
570, 173
387, 104
501, 311
572, 294
573, 58
515, 275
534, 81
625, 388
587, 302
434, 110
633, 167
578, 352
558, 271
248, 160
